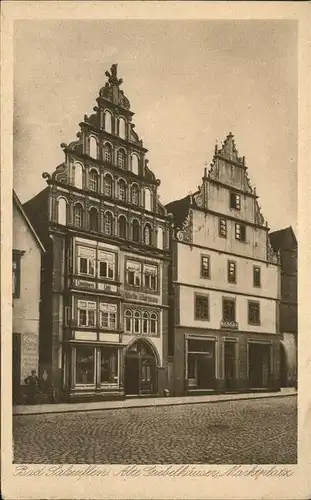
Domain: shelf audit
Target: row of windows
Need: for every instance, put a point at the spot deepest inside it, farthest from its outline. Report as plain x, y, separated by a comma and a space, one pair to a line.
125, 230
117, 157
228, 310
239, 230
106, 317
122, 191
110, 125
137, 274
231, 271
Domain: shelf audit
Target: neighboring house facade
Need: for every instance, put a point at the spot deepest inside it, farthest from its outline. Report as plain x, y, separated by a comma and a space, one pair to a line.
105, 297
284, 241
26, 281
225, 285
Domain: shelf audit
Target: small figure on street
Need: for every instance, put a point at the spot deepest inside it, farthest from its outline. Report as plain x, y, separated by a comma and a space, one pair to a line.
32, 381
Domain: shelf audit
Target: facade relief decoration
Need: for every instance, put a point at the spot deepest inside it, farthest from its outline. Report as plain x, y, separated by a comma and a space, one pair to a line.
185, 230
272, 256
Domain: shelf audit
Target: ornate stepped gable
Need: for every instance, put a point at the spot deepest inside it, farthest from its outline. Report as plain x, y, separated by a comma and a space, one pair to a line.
182, 210
112, 98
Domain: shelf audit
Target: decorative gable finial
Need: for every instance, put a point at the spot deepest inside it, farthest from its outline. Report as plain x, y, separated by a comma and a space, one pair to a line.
113, 76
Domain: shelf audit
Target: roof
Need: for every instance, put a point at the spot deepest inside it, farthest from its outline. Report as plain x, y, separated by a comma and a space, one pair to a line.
278, 238
179, 209
16, 200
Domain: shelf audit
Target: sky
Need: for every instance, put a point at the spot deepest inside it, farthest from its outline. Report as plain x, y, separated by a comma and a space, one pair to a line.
190, 83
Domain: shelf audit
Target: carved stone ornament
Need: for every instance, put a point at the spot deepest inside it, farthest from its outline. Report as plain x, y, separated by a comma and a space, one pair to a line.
199, 200
180, 235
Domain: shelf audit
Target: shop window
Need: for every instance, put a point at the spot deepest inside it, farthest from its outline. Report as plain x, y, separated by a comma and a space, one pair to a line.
108, 223
150, 277
201, 307
135, 230
235, 201
223, 228
108, 185
85, 358
16, 275
93, 180
122, 227
135, 164
106, 265
108, 365
228, 310
256, 276
108, 153
128, 321
147, 199
240, 232
78, 215
205, 266
78, 175
108, 122
108, 316
122, 190
231, 271
253, 313
86, 313
147, 235
86, 261
62, 211
122, 128
133, 273
93, 217
121, 159
93, 147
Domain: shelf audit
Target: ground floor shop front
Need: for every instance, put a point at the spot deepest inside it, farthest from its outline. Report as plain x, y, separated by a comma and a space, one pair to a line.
108, 371
224, 361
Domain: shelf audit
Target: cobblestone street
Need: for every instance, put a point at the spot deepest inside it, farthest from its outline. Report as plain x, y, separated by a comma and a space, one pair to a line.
234, 432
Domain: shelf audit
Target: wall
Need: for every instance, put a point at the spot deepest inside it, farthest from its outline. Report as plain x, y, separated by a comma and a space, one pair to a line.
206, 229
26, 308
187, 304
219, 272
219, 201
290, 345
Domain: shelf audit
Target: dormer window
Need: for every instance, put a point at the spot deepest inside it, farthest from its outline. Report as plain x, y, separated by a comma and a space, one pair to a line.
235, 201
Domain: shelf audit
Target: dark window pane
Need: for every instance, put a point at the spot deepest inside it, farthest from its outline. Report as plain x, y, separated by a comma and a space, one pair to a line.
85, 365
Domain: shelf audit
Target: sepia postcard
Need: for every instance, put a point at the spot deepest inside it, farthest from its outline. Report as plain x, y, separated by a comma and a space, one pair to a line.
155, 179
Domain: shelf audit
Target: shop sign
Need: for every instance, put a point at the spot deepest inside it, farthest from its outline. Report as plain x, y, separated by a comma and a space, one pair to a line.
139, 296
107, 288
84, 284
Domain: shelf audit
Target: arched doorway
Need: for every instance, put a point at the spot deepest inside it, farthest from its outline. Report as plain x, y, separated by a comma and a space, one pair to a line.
140, 369
283, 366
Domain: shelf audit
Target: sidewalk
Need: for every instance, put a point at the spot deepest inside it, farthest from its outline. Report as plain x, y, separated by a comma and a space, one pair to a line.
145, 402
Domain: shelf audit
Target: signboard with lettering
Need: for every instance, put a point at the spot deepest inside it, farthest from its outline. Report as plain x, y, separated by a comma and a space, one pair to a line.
107, 288
139, 296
